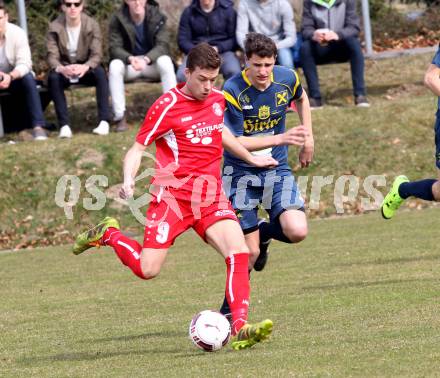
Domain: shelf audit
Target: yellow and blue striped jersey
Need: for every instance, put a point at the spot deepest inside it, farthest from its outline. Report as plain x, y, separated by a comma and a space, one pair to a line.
252, 112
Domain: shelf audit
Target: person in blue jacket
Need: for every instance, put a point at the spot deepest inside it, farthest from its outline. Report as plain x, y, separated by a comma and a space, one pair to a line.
214, 22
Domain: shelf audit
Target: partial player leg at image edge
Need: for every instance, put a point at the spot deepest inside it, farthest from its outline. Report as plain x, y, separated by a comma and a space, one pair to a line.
392, 200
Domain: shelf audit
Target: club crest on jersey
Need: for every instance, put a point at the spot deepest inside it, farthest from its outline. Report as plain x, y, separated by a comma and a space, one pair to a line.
217, 109
264, 112
281, 98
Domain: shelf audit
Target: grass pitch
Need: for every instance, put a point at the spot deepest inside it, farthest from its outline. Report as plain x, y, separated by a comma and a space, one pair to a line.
359, 297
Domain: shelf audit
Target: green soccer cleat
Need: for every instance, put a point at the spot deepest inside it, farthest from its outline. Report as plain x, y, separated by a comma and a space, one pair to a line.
92, 237
392, 200
251, 334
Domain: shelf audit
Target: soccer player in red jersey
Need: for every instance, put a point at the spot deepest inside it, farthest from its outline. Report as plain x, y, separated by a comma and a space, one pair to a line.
186, 123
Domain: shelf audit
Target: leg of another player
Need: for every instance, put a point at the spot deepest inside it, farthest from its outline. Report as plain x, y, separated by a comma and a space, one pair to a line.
289, 227
436, 188
294, 225
252, 241
227, 238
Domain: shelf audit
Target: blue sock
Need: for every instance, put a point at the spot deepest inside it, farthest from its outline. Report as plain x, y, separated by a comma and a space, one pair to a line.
421, 189
272, 230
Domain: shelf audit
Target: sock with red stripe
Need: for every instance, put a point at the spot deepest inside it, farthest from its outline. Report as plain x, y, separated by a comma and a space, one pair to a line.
128, 250
238, 289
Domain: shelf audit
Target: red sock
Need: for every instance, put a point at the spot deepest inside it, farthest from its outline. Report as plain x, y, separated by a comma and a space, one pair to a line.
238, 289
128, 250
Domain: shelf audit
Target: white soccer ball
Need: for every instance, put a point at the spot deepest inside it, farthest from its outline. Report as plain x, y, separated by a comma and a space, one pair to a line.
209, 330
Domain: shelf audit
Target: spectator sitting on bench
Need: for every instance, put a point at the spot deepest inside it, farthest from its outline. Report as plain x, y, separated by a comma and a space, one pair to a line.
15, 70
273, 18
138, 43
74, 47
330, 30
214, 22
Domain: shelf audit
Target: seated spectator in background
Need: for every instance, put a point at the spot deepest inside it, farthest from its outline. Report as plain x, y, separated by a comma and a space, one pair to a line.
15, 70
214, 22
273, 18
138, 48
330, 30
74, 48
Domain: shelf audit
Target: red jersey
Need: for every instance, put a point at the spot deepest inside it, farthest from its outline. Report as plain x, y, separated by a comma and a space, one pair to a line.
188, 135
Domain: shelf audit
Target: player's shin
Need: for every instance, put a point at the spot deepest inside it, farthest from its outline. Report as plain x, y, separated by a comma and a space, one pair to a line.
128, 250
238, 289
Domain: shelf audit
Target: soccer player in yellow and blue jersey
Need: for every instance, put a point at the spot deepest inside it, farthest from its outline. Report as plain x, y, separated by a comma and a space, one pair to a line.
256, 103
427, 189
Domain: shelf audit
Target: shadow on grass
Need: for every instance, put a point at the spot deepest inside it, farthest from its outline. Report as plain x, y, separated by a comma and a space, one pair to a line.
397, 260
366, 284
134, 337
93, 356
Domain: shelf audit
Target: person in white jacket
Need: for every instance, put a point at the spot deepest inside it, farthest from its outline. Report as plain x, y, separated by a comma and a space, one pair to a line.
15, 70
273, 18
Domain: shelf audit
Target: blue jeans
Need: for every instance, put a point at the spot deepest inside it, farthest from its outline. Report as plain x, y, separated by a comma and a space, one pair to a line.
344, 50
285, 58
229, 67
93, 77
28, 86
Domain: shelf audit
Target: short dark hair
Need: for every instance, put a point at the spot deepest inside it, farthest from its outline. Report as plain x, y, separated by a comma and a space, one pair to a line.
260, 45
3, 6
203, 56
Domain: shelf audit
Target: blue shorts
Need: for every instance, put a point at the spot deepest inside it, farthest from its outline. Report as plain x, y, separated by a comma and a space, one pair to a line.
437, 140
274, 191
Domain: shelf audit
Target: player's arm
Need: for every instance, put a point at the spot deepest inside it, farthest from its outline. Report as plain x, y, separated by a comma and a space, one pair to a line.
232, 145
305, 116
234, 120
132, 162
432, 79
294, 136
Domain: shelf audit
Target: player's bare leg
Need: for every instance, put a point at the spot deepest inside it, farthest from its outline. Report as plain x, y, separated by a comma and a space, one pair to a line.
227, 238
290, 227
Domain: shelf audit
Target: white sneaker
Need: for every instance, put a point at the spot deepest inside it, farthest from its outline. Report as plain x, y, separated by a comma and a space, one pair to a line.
102, 129
65, 132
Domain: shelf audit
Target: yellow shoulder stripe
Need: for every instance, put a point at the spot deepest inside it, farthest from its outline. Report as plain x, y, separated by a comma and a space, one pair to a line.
229, 98
296, 83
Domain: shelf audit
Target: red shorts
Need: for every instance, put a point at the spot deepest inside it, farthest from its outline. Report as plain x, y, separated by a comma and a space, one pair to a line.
166, 222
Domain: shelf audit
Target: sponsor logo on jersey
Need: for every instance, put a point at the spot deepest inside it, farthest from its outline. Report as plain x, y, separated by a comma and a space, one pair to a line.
246, 107
186, 119
222, 213
281, 98
202, 133
254, 126
264, 112
217, 109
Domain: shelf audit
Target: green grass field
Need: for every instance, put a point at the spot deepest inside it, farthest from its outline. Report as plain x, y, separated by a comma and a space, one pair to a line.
359, 297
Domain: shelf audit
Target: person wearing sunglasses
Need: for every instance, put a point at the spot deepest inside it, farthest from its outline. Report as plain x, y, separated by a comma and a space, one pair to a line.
15, 71
74, 48
139, 47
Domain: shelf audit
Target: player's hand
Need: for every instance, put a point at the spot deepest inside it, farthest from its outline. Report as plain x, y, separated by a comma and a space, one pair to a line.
127, 190
294, 136
306, 153
263, 161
